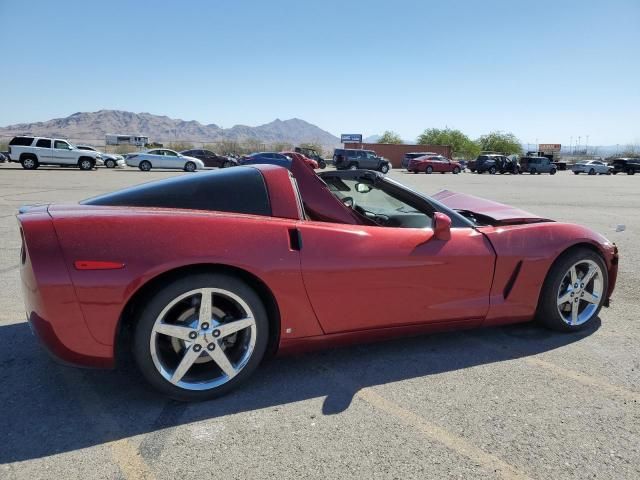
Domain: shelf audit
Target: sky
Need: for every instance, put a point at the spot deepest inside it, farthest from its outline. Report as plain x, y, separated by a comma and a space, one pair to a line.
544, 70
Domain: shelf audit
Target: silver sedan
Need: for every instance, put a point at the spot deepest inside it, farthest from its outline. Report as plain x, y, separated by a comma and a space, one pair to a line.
592, 167
163, 158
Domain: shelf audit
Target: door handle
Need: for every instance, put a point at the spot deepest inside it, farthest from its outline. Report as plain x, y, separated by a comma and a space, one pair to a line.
295, 239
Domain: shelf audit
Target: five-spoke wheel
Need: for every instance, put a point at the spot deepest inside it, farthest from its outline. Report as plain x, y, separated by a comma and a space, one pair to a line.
574, 290
200, 336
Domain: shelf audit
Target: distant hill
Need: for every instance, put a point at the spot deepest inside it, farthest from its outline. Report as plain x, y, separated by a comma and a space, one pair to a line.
93, 126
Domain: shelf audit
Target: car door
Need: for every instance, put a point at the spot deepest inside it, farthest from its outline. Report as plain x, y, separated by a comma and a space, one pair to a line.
43, 150
63, 154
363, 277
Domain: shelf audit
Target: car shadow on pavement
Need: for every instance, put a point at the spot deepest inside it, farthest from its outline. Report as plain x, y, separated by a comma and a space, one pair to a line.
47, 408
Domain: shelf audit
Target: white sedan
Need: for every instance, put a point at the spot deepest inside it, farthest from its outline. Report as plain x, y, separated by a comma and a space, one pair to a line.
163, 158
592, 167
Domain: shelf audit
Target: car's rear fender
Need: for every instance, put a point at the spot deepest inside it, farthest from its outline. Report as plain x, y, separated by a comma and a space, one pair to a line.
51, 304
152, 242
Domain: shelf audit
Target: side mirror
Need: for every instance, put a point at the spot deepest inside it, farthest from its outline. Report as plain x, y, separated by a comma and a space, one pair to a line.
441, 226
363, 188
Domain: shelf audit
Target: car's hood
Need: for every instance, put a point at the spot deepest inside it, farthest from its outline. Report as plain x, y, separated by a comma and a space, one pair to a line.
498, 213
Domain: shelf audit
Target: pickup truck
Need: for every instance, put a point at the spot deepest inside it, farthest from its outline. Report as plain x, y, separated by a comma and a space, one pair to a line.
32, 152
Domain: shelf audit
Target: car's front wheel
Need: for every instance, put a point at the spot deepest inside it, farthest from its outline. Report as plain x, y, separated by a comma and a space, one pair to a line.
200, 336
492, 170
384, 168
189, 167
574, 291
145, 166
592, 172
353, 166
109, 163
85, 164
552, 171
456, 170
428, 170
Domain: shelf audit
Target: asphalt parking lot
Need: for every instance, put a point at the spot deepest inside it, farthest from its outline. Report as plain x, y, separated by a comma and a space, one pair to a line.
513, 402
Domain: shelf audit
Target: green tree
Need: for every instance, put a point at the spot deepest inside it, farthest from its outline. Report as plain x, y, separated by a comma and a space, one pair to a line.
461, 145
390, 137
501, 142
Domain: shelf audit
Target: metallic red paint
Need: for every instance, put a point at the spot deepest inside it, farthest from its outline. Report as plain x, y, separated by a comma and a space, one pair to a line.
437, 163
350, 282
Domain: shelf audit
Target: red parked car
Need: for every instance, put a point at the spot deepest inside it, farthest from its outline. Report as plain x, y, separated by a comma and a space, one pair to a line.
309, 161
202, 276
433, 164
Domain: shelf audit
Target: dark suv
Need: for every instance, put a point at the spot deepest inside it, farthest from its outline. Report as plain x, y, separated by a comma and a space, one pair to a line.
537, 165
348, 159
494, 163
627, 165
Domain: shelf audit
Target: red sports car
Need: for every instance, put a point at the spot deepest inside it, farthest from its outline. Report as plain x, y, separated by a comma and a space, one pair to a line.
204, 275
434, 163
311, 163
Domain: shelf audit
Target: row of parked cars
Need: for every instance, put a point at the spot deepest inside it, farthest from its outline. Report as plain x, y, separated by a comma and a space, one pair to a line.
32, 151
429, 162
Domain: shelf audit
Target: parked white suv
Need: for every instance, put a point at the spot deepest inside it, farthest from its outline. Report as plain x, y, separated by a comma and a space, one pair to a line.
32, 152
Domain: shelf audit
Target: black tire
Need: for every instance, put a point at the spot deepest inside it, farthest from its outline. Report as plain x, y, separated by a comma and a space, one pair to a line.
532, 171
85, 164
189, 167
492, 170
384, 168
110, 163
145, 322
428, 170
456, 170
552, 171
631, 171
548, 312
145, 166
226, 164
353, 166
29, 162
592, 172
576, 173
322, 164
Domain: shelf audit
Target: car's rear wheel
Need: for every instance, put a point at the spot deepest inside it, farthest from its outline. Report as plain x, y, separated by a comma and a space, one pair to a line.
576, 173
428, 170
384, 168
109, 163
201, 336
492, 170
631, 171
227, 164
189, 167
145, 166
456, 170
532, 171
29, 162
552, 171
85, 164
574, 291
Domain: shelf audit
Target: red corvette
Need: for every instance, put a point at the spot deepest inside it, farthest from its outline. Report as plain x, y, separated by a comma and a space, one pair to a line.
434, 163
203, 275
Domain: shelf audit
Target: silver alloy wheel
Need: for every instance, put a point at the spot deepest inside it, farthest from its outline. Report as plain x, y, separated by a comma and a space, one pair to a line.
28, 163
145, 166
203, 338
190, 167
580, 292
85, 165
110, 163
353, 166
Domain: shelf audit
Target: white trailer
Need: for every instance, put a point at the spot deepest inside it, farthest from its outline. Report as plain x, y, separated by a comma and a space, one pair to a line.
137, 140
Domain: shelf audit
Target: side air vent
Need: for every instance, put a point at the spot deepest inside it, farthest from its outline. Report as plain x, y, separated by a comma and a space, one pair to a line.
512, 280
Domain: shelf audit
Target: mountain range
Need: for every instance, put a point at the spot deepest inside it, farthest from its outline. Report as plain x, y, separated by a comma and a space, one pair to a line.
91, 127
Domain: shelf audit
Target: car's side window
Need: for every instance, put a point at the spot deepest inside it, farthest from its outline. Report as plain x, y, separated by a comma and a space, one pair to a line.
377, 204
61, 145
44, 143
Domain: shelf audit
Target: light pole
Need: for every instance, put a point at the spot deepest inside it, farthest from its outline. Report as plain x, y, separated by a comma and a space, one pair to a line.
586, 146
578, 147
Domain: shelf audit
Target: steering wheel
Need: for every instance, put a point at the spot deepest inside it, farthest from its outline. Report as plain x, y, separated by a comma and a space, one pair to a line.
349, 202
